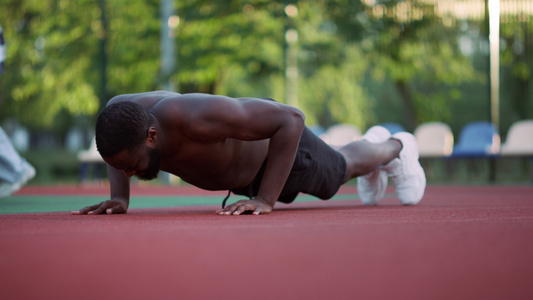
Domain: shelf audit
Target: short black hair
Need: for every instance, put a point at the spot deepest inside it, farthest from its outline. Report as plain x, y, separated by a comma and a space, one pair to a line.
120, 126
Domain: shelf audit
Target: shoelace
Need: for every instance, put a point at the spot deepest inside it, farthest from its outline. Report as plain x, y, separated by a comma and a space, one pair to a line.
225, 199
250, 192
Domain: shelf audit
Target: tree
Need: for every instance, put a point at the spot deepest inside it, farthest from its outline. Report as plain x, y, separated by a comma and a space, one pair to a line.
332, 71
411, 46
218, 38
517, 63
345, 49
132, 46
238, 48
47, 58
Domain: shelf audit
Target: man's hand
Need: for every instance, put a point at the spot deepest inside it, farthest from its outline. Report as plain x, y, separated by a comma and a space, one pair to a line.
257, 206
106, 207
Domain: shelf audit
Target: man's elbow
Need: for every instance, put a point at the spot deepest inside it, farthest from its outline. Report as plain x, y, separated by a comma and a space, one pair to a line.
298, 118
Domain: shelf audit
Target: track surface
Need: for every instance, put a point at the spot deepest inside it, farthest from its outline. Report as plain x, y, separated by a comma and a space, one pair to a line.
458, 243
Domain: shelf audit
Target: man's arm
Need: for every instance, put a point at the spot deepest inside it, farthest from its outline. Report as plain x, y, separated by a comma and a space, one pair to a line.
119, 181
280, 158
120, 196
284, 126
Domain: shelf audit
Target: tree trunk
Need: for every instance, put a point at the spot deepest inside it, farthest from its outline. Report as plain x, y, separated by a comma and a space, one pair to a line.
405, 94
103, 97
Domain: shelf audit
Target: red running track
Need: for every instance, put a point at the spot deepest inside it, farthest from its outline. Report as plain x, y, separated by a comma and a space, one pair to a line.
458, 243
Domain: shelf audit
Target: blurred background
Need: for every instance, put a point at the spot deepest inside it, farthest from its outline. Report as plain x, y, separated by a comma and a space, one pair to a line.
353, 62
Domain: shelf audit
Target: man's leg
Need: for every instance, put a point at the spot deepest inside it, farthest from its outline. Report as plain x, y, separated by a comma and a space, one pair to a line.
363, 157
371, 187
14, 170
399, 158
405, 172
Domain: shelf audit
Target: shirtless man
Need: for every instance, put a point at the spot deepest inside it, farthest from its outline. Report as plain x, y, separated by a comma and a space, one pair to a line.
254, 147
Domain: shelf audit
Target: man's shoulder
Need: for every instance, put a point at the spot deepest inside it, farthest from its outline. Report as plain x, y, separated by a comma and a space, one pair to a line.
197, 102
147, 99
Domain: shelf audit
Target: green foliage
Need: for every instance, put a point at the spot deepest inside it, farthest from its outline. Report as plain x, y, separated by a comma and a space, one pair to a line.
359, 62
132, 46
333, 95
46, 61
422, 60
516, 65
215, 38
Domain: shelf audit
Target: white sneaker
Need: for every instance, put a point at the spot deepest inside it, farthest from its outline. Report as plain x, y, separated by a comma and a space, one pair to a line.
406, 172
7, 188
371, 187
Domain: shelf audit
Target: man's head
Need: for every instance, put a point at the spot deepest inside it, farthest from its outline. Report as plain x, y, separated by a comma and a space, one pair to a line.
125, 137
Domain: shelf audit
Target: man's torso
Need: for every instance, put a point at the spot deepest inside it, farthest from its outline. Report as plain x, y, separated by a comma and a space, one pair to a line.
207, 164
215, 165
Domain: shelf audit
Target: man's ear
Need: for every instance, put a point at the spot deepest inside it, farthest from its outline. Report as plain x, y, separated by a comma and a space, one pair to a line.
151, 137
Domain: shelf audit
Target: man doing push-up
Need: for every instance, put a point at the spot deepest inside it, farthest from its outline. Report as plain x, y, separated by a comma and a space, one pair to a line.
257, 148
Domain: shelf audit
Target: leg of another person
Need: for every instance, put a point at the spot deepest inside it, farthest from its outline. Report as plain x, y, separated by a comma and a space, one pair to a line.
15, 171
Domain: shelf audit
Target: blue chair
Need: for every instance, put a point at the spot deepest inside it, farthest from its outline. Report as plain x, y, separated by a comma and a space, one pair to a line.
477, 139
393, 127
317, 129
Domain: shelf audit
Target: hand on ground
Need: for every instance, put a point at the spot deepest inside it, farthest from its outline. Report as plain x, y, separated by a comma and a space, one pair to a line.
106, 207
256, 206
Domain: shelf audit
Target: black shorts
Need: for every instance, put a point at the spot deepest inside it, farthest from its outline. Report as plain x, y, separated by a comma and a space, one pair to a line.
318, 170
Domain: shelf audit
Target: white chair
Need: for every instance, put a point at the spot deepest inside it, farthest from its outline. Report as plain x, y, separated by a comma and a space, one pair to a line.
89, 157
519, 140
434, 139
340, 135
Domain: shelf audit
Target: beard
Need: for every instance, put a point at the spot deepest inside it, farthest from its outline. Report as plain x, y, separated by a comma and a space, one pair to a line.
154, 162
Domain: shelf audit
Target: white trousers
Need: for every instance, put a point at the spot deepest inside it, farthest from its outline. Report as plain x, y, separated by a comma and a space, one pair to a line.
12, 166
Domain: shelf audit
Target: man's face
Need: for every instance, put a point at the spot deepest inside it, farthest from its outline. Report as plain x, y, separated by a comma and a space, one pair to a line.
154, 162
143, 162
